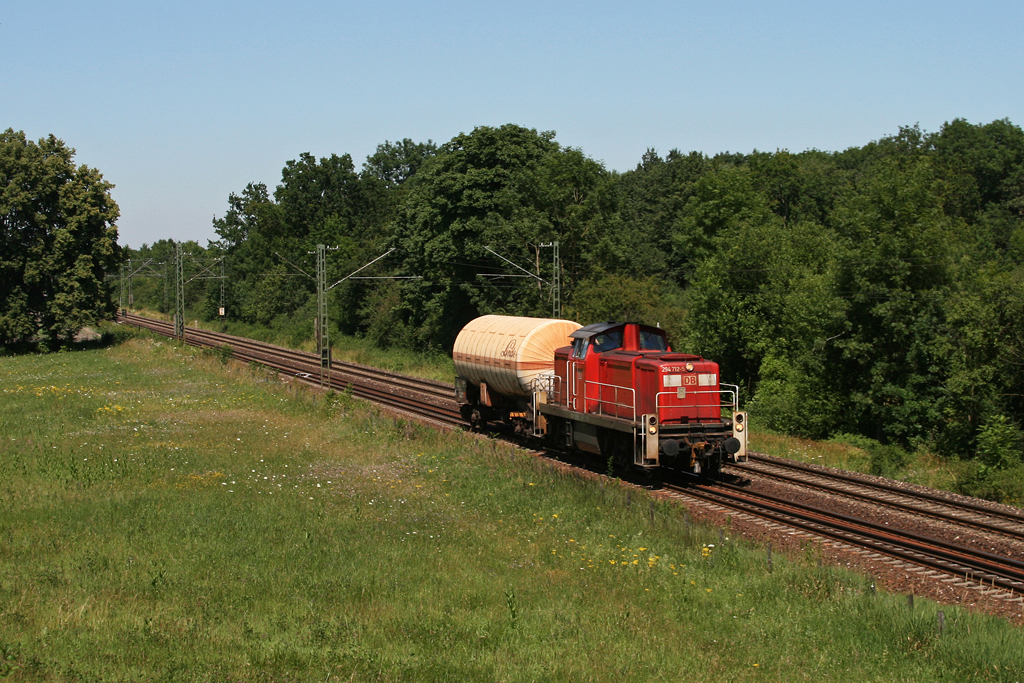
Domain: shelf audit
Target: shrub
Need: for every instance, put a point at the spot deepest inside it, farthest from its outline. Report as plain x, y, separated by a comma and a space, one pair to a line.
997, 471
221, 353
974, 478
792, 401
999, 443
1006, 486
112, 335
887, 460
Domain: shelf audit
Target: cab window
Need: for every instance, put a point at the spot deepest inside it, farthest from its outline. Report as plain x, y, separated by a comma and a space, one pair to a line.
653, 341
579, 348
608, 341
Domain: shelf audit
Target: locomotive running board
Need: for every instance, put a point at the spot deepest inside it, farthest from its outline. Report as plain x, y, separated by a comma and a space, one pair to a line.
617, 424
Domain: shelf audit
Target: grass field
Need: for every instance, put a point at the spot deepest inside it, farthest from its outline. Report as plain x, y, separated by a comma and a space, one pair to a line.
166, 517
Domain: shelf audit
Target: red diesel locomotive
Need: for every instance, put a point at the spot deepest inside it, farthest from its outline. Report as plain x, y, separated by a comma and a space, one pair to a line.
616, 390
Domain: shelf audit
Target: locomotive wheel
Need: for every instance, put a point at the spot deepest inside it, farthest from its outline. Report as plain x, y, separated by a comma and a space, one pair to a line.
623, 450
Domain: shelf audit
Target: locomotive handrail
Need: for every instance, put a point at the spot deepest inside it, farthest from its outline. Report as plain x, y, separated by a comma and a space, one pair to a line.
658, 404
735, 396
570, 371
545, 382
600, 401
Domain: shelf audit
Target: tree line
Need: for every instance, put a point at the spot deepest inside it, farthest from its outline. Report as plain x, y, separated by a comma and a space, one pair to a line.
876, 291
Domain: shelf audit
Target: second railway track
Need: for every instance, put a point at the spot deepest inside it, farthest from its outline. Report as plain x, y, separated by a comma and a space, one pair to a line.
933, 553
945, 508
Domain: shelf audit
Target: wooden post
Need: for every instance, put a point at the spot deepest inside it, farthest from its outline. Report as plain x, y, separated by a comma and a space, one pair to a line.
769, 557
941, 616
910, 601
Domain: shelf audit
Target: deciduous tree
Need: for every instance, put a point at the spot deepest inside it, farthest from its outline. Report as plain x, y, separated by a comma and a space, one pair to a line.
57, 240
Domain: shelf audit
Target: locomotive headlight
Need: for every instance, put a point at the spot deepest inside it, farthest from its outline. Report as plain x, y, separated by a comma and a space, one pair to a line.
689, 367
652, 430
738, 426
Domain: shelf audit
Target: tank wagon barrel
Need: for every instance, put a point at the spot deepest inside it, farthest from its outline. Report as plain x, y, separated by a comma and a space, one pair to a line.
508, 353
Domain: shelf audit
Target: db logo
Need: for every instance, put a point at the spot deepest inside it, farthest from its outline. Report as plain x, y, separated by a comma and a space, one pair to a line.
510, 350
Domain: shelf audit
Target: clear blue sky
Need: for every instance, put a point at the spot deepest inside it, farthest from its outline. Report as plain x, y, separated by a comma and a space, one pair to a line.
180, 103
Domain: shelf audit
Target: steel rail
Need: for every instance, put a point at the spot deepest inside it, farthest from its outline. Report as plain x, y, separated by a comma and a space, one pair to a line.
973, 507
220, 338
439, 389
865, 496
951, 559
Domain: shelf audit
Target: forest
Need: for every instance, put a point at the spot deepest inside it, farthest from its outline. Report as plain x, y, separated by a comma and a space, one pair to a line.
876, 291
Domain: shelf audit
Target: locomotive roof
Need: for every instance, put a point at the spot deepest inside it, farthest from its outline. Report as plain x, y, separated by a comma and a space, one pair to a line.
598, 328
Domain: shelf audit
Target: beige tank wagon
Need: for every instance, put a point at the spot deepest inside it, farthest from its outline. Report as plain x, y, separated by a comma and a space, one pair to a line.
507, 354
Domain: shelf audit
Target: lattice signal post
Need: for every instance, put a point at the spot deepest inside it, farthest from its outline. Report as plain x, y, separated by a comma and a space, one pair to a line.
321, 332
179, 293
136, 268
120, 296
204, 273
323, 342
556, 280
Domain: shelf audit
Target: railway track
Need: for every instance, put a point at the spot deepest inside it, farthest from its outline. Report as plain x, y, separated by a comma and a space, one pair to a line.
940, 559
936, 506
933, 554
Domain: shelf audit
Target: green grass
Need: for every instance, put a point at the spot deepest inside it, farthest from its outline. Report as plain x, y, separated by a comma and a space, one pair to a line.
164, 517
825, 453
